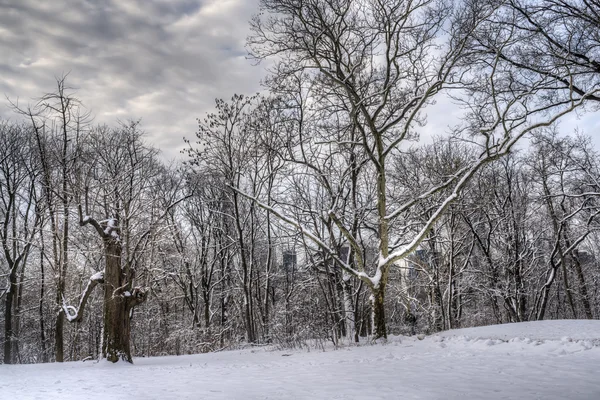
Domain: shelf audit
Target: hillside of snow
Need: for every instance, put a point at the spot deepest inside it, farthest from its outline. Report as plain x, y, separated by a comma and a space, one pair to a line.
534, 360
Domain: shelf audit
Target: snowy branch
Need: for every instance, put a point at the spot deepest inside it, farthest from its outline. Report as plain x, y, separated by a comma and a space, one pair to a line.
76, 314
313, 238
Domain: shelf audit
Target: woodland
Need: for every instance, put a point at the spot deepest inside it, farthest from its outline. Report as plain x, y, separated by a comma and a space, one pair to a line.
317, 211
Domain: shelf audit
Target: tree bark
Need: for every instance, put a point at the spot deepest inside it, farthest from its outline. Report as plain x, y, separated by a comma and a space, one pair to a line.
44, 356
378, 312
8, 317
117, 330
585, 300
349, 316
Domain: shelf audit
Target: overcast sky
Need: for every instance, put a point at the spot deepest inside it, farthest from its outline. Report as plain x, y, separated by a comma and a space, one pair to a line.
161, 61
164, 61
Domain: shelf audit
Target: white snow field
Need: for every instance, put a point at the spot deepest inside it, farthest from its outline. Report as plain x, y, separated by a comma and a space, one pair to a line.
535, 360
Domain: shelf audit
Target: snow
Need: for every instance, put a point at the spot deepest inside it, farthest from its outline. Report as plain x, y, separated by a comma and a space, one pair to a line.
98, 276
541, 330
535, 360
111, 224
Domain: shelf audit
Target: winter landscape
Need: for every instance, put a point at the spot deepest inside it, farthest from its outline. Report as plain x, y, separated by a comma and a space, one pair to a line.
285, 199
533, 360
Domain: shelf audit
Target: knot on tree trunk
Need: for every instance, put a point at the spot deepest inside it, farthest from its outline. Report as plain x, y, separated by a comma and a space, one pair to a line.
138, 296
134, 296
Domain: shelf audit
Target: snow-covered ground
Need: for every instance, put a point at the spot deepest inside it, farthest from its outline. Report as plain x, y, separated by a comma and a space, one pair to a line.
536, 360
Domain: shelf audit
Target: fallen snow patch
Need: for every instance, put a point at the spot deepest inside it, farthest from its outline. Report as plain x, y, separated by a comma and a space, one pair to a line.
540, 330
550, 360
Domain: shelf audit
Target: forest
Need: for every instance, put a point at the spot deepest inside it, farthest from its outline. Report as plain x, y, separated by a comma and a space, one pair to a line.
317, 211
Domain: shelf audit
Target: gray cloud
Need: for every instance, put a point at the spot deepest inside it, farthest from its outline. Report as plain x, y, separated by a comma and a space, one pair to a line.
164, 61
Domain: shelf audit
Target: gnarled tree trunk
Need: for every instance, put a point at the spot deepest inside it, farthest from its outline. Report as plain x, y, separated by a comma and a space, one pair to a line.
119, 296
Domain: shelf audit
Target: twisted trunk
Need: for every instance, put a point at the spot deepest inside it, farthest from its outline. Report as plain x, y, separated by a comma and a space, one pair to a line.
119, 300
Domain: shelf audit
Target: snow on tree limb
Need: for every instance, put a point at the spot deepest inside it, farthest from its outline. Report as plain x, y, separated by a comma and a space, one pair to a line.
312, 237
501, 149
76, 314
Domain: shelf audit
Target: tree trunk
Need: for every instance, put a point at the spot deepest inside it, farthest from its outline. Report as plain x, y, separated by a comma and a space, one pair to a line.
206, 298
378, 312
585, 300
117, 330
450, 304
8, 318
563, 264
58, 331
17, 313
547, 286
44, 356
246, 273
268, 265
349, 315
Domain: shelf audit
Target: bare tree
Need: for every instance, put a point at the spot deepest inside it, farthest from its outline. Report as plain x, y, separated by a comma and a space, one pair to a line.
119, 182
553, 40
58, 120
383, 61
19, 223
571, 213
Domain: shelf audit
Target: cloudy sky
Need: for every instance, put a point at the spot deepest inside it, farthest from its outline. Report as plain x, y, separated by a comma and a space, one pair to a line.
163, 61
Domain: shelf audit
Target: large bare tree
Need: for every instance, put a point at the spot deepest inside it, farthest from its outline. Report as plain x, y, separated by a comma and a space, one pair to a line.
385, 61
